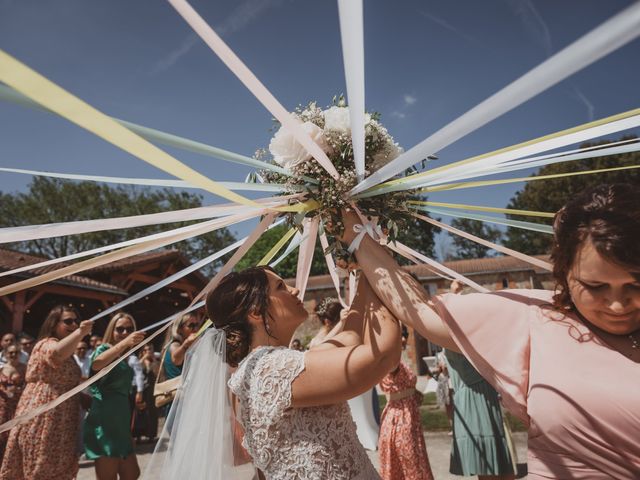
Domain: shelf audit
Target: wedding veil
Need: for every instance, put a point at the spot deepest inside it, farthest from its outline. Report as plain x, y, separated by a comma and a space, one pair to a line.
197, 441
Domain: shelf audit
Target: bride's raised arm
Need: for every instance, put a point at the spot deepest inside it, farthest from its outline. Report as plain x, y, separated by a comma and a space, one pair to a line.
400, 293
353, 361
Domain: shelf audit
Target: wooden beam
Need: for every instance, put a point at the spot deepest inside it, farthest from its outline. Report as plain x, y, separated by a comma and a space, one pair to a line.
79, 292
34, 298
129, 284
141, 277
18, 311
7, 302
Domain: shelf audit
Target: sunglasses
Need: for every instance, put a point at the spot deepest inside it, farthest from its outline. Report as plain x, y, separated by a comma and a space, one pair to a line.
12, 354
191, 326
124, 329
71, 321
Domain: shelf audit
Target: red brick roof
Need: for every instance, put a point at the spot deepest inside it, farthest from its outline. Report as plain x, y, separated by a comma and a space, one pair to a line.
10, 260
130, 263
476, 266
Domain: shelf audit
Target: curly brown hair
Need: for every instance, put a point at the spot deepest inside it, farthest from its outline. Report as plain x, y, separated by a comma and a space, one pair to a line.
230, 303
607, 215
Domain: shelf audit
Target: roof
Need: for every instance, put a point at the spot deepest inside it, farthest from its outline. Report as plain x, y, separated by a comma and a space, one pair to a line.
10, 259
475, 266
140, 259
480, 266
136, 261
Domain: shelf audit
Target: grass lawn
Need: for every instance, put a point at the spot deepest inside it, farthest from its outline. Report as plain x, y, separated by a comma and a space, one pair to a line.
435, 419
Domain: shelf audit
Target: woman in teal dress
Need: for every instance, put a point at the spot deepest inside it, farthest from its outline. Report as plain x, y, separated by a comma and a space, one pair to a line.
479, 439
107, 434
179, 339
480, 444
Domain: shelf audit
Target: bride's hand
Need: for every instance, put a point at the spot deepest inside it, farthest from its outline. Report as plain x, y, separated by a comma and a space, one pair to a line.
349, 219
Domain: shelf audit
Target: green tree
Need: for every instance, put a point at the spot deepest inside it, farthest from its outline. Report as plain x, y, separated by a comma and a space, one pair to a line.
469, 249
287, 268
55, 200
420, 236
551, 195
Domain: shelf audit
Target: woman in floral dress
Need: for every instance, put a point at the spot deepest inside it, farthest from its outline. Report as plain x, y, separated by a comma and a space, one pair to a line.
403, 453
45, 447
10, 391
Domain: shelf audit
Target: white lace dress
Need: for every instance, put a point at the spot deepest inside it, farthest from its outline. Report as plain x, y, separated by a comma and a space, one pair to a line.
315, 443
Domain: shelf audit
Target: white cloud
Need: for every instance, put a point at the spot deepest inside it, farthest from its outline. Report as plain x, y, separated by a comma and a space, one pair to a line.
409, 99
535, 25
443, 23
398, 114
172, 57
591, 109
239, 18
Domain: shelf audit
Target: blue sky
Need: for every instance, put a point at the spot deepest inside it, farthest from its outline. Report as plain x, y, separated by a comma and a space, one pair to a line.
426, 63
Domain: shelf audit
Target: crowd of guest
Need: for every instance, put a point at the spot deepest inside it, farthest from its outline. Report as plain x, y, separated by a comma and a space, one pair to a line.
119, 410
99, 424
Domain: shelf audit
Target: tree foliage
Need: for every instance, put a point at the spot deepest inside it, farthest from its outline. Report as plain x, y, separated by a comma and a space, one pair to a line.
54, 200
419, 236
551, 195
469, 249
287, 268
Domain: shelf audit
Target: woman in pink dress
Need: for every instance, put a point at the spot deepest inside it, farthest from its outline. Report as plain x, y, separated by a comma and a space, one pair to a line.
45, 447
403, 453
546, 352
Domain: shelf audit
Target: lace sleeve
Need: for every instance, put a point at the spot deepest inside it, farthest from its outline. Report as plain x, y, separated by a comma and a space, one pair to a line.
272, 375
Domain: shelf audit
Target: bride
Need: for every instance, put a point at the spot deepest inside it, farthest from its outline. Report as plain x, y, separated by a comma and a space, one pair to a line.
291, 405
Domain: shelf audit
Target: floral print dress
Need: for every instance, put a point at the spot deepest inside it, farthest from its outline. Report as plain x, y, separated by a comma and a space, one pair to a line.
45, 447
9, 396
403, 453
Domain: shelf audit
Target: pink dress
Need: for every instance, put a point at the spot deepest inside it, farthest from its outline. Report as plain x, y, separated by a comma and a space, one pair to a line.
45, 447
580, 397
403, 454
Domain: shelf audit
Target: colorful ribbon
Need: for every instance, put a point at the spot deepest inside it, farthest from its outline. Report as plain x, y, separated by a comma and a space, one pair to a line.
611, 35
58, 100
246, 76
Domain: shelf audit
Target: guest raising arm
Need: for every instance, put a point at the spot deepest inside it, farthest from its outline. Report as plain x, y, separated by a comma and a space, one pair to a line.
545, 351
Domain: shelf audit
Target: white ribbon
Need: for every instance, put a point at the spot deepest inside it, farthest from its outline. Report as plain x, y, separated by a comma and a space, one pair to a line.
352, 34
611, 35
371, 229
255, 86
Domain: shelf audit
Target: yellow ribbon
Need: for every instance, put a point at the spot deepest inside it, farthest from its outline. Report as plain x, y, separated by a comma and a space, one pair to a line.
484, 183
204, 326
30, 83
585, 126
307, 206
461, 206
276, 248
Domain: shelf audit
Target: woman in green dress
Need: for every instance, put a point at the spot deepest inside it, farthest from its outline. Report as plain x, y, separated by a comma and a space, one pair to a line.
480, 444
107, 434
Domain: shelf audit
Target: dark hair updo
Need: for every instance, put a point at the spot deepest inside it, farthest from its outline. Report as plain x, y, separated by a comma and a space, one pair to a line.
230, 303
609, 216
329, 309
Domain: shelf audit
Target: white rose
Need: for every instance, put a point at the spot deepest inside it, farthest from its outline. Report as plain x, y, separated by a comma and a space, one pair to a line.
339, 119
288, 152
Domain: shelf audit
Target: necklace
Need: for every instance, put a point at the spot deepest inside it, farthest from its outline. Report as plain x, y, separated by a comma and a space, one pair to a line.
635, 344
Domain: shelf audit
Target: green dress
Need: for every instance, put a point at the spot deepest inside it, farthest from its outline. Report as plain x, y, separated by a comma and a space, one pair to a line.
107, 428
479, 443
